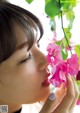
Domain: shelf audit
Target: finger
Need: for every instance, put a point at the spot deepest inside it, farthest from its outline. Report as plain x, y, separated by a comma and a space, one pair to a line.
68, 98
47, 106
60, 92
53, 100
76, 90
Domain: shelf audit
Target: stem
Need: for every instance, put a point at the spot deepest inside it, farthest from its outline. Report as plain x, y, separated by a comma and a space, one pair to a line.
63, 27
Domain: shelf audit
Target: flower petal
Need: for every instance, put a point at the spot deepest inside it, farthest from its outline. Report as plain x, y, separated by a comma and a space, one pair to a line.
72, 65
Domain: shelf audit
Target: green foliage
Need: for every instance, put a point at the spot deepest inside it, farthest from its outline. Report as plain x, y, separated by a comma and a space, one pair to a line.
29, 1
68, 4
70, 16
52, 8
64, 53
60, 8
77, 50
78, 83
68, 33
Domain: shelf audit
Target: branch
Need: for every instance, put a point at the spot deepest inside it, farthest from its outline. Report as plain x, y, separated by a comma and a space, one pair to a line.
63, 27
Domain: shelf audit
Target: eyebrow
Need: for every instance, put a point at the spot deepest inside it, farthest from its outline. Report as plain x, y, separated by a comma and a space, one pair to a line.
21, 46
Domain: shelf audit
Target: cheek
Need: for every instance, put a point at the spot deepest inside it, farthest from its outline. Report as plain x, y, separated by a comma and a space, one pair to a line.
35, 90
29, 70
29, 75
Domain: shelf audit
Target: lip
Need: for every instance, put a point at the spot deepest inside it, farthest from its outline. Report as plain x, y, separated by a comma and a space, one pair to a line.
46, 82
48, 74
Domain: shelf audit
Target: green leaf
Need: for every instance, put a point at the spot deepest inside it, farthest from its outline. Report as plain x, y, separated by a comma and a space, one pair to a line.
52, 8
29, 1
65, 43
68, 5
78, 84
67, 33
68, 1
70, 17
64, 53
46, 1
77, 50
59, 42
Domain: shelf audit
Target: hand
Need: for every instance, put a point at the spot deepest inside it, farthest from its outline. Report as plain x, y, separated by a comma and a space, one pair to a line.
64, 99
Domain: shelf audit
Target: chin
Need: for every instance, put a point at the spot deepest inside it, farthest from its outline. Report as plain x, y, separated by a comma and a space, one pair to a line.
43, 95
40, 96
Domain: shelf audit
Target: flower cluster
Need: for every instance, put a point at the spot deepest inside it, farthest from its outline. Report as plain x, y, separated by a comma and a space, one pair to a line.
61, 68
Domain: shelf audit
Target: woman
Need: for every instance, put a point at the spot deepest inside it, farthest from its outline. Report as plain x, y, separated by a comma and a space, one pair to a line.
23, 67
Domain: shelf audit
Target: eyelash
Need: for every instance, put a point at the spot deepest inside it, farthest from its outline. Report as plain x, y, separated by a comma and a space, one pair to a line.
25, 60
29, 57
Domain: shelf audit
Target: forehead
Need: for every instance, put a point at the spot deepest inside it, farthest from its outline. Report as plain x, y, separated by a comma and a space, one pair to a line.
20, 34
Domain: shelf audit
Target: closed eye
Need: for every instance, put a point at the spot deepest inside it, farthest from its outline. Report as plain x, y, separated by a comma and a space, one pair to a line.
26, 59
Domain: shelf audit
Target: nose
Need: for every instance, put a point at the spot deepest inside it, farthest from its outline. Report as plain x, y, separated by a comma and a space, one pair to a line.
42, 62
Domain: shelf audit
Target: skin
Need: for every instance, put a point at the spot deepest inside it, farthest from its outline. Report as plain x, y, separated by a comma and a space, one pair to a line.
66, 99
21, 80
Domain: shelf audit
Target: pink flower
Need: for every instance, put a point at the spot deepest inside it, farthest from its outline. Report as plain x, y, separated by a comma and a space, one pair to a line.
54, 55
64, 68
72, 65
61, 68
60, 74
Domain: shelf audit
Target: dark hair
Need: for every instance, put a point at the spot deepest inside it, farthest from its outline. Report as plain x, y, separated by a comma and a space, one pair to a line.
3, 1
10, 14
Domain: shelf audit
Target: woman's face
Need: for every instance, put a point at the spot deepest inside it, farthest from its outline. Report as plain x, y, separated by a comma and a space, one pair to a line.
23, 76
